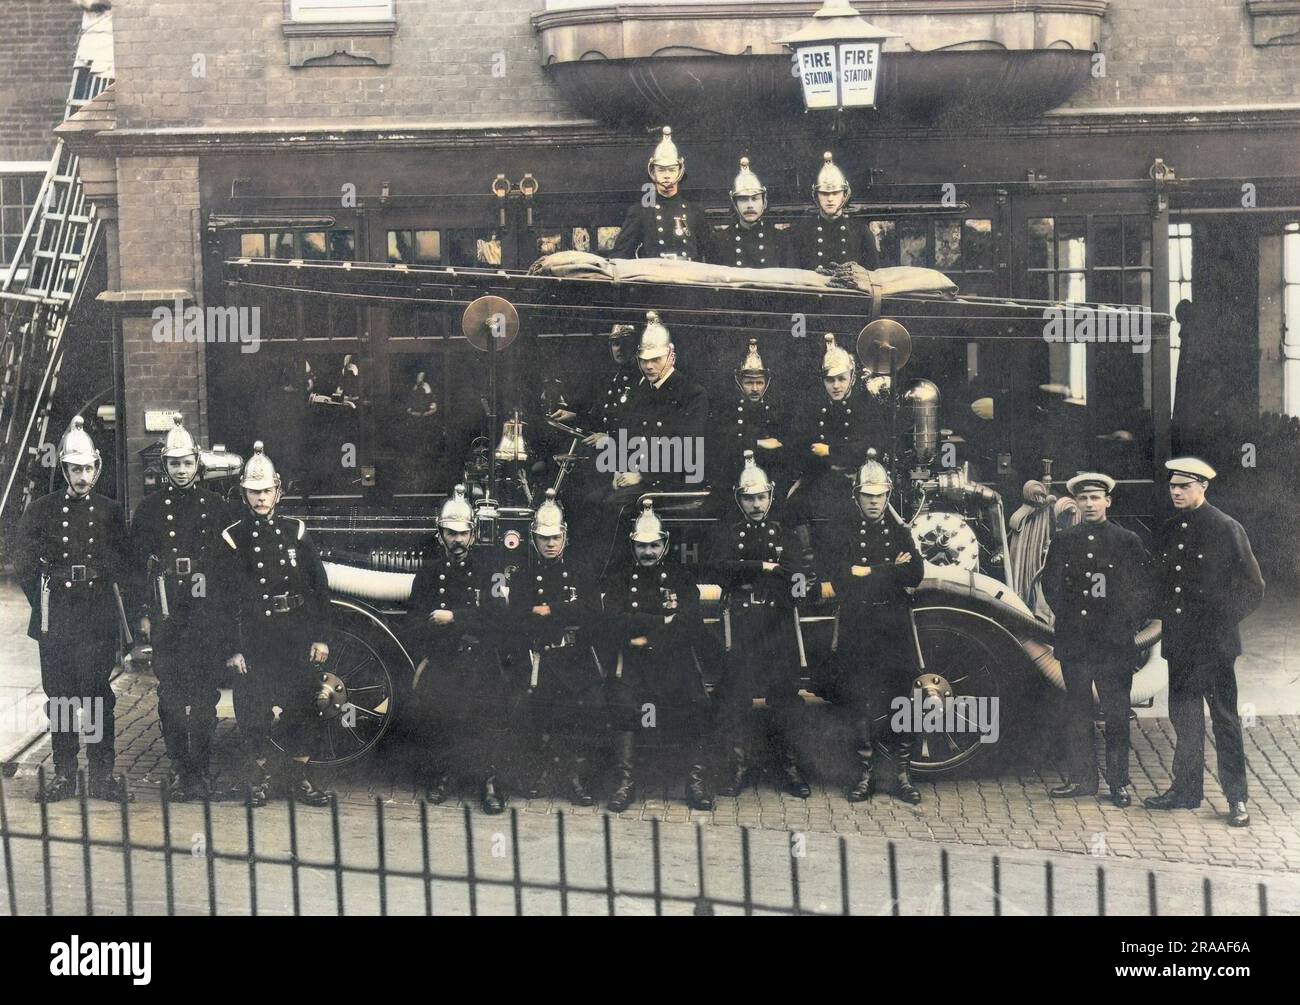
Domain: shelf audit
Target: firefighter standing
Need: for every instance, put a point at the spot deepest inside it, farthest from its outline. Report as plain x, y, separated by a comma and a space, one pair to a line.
873, 564
184, 610
832, 237
1208, 581
664, 224
757, 559
282, 612
555, 606
748, 241
654, 609
1095, 581
71, 550
832, 436
459, 686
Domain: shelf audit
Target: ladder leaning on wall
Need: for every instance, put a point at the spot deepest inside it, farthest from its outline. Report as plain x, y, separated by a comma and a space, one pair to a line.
39, 293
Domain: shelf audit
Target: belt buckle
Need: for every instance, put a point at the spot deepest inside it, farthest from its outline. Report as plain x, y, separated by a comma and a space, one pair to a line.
79, 574
182, 566
280, 603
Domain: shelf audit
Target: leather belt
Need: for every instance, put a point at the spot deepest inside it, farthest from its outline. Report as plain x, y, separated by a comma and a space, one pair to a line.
283, 603
183, 567
570, 638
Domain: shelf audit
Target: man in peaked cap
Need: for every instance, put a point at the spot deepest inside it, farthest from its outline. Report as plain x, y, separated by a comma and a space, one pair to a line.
459, 688
1207, 582
653, 611
1096, 582
71, 550
185, 611
831, 236
757, 560
278, 648
873, 563
749, 241
555, 609
663, 224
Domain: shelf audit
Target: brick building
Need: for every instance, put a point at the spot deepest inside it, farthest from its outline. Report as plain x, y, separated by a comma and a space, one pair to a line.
1120, 151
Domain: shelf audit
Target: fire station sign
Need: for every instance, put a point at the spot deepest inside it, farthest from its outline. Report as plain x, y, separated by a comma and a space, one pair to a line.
819, 76
859, 74
838, 58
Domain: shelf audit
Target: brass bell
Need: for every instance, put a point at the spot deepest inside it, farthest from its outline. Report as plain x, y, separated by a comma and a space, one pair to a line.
512, 446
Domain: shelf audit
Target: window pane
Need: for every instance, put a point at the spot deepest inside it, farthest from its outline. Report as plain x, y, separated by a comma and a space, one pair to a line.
913, 241
1071, 243
947, 245
342, 247
886, 239
428, 247
11, 190
1108, 235
1107, 286
312, 247
977, 245
549, 244
252, 245
1137, 241
606, 236
487, 250
281, 245
580, 239
1041, 286
1042, 243
399, 246
1137, 288
11, 219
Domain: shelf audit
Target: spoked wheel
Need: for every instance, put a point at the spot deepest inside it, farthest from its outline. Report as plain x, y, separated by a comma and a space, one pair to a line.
356, 694
971, 664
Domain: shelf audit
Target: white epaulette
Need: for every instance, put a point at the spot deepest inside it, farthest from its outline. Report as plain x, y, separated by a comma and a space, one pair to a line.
302, 529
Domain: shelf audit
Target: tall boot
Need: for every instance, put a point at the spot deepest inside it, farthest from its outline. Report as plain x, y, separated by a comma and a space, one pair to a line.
791, 776
493, 801
865, 786
698, 796
303, 788
578, 794
624, 786
903, 787
736, 772
804, 535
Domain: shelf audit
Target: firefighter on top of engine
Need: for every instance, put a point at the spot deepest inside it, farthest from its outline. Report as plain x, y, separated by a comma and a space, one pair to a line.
278, 646
757, 561
663, 224
459, 693
831, 437
654, 621
749, 422
184, 610
749, 241
604, 405
831, 236
70, 551
555, 608
873, 563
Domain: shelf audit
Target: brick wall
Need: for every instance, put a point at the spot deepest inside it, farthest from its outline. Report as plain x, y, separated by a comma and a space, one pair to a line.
158, 200
1188, 52
38, 39
442, 66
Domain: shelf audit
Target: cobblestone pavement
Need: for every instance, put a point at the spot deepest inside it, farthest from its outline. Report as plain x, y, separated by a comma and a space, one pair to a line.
1005, 808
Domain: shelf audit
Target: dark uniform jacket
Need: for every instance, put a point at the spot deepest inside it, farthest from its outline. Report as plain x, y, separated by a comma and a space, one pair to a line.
1208, 581
1096, 581
737, 427
677, 408
180, 529
671, 228
283, 590
565, 635
849, 427
875, 609
610, 400
739, 551
463, 586
818, 241
761, 246
637, 600
81, 544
